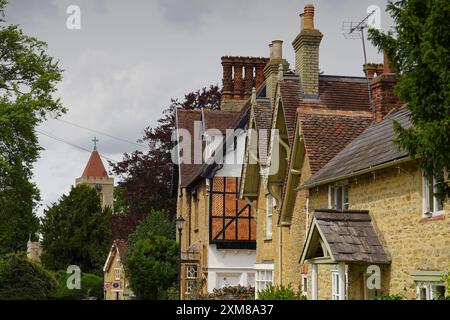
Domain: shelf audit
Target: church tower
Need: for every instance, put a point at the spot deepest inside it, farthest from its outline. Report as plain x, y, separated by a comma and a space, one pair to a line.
96, 176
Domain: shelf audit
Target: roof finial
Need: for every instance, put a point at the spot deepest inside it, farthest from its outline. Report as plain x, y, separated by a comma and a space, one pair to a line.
280, 72
95, 140
253, 100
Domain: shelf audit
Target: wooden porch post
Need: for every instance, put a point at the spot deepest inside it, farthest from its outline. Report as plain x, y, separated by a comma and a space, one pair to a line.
314, 280
341, 270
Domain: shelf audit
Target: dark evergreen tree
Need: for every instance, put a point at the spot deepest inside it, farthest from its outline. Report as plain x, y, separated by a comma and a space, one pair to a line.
420, 52
76, 232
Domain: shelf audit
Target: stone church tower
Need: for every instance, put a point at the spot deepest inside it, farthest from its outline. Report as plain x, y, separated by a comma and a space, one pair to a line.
96, 176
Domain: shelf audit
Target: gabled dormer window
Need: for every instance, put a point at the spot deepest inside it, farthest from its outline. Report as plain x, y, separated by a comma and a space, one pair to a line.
432, 206
338, 197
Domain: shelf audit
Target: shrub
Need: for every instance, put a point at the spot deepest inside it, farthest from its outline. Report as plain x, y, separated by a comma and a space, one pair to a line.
280, 293
227, 293
22, 279
91, 287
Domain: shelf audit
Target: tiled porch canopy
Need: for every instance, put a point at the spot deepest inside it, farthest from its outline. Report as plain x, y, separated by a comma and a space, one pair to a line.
343, 236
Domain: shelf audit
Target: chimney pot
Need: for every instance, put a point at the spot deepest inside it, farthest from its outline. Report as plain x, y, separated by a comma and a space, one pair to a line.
277, 49
271, 51
307, 17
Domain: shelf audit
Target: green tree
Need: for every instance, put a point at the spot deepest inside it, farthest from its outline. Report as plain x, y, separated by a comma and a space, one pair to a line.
420, 52
76, 232
21, 279
28, 78
151, 262
91, 286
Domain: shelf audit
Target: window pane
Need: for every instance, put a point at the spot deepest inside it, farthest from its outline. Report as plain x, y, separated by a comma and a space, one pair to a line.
338, 198
345, 198
430, 189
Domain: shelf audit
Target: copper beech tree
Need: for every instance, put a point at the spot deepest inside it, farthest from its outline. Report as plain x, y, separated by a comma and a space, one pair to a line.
149, 179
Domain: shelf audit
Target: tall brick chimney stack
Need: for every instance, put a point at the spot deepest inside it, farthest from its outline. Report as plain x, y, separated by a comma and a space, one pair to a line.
306, 47
240, 75
384, 99
271, 69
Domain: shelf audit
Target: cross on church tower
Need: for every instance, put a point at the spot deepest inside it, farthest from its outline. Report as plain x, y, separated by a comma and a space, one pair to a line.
95, 140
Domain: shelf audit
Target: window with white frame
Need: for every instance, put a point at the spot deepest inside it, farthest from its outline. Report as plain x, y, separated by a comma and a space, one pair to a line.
305, 285
335, 283
117, 274
269, 216
430, 290
191, 277
432, 206
264, 279
338, 197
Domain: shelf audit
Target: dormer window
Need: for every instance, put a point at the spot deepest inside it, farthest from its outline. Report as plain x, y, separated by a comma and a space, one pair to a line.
338, 197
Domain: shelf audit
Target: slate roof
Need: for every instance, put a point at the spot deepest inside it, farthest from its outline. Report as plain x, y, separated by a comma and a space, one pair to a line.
374, 146
95, 167
351, 236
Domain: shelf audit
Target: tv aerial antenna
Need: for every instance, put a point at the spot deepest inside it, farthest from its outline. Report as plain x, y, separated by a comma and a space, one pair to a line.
355, 30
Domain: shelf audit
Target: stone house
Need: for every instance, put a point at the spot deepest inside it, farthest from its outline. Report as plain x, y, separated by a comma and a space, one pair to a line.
369, 205
115, 283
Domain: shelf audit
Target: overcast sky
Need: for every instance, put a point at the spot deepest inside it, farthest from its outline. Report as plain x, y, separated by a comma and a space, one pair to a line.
130, 57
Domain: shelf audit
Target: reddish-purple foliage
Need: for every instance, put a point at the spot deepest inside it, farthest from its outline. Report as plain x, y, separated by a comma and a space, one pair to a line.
148, 180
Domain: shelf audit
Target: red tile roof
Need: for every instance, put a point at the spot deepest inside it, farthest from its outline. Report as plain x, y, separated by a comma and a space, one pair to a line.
290, 91
326, 135
186, 120
121, 246
218, 119
94, 167
262, 113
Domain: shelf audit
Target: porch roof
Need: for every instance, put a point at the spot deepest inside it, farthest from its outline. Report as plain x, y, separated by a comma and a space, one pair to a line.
343, 236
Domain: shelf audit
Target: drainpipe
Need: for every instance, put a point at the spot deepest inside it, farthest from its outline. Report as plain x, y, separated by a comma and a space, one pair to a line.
280, 235
280, 253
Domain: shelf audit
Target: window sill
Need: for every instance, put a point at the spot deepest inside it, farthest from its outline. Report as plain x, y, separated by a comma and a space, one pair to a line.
437, 216
267, 239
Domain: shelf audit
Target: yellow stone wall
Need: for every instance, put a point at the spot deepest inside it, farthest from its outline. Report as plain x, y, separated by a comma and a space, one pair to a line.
107, 191
295, 233
266, 248
393, 197
196, 213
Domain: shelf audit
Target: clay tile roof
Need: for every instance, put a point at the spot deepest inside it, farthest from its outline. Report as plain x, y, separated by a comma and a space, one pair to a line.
290, 91
344, 93
263, 121
351, 236
121, 246
94, 167
186, 120
218, 119
372, 147
326, 135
